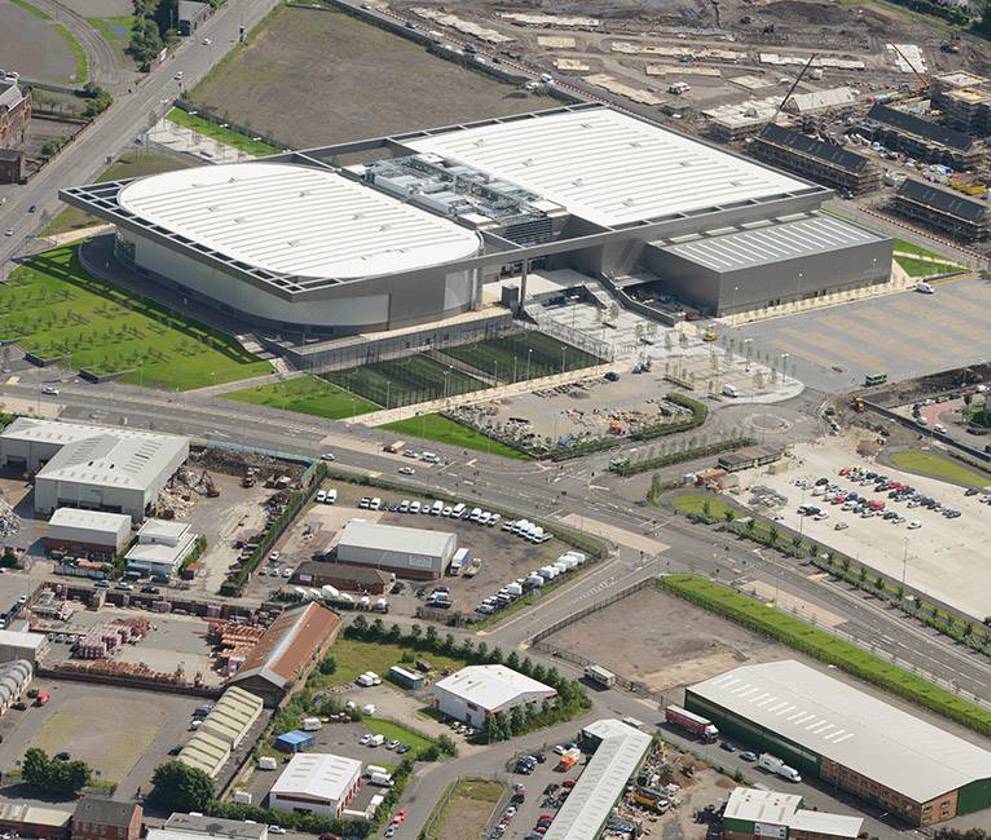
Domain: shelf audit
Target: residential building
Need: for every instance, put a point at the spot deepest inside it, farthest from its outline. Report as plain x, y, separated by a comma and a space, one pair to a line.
965, 219
922, 139
106, 819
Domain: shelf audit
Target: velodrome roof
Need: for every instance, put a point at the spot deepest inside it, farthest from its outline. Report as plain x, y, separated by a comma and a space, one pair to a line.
607, 167
296, 220
756, 246
857, 730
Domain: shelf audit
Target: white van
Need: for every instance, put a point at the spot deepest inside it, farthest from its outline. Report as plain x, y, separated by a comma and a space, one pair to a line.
331, 496
436, 508
377, 741
457, 510
730, 391
458, 561
476, 514
311, 724
414, 507
430, 457
925, 288
376, 504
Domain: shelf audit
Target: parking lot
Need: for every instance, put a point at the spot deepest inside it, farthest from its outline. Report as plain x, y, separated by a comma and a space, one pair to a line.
502, 557
546, 789
881, 335
122, 748
946, 558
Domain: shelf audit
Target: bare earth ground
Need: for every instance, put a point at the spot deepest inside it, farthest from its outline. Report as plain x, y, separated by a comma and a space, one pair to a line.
346, 80
31, 47
663, 642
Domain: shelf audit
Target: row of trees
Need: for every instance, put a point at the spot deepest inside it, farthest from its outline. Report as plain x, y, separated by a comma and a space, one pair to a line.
152, 29
54, 775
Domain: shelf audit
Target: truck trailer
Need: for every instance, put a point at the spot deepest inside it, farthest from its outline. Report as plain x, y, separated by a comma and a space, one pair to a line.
600, 676
701, 727
773, 764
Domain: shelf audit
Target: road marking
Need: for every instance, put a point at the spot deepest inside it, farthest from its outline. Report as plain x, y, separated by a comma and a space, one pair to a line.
471, 463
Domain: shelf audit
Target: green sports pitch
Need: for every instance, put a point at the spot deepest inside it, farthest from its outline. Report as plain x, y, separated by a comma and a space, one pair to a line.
406, 381
523, 355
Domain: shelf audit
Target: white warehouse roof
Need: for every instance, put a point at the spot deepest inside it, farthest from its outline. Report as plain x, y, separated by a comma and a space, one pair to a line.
296, 220
109, 457
491, 687
602, 782
320, 776
607, 167
832, 719
97, 521
771, 807
376, 537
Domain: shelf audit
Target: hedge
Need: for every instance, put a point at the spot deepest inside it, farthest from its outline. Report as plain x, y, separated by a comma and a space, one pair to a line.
633, 467
825, 647
699, 415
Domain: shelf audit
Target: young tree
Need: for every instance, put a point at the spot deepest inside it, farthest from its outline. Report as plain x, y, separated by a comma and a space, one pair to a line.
517, 720
328, 664
430, 637
513, 661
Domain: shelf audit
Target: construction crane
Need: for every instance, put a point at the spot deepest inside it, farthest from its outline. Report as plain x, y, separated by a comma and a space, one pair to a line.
923, 81
791, 90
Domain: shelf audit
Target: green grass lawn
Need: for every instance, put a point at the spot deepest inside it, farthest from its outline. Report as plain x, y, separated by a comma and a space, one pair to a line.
911, 248
52, 308
81, 74
825, 647
354, 657
405, 381
116, 31
246, 144
695, 503
939, 466
923, 268
393, 731
306, 395
438, 428
131, 163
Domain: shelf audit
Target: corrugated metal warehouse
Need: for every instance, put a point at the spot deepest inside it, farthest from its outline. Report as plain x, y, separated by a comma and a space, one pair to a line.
408, 552
825, 728
92, 467
88, 532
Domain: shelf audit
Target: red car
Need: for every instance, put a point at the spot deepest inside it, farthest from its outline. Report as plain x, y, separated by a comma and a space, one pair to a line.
568, 783
399, 818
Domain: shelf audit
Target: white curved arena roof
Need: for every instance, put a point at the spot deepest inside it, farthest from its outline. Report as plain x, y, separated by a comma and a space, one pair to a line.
607, 167
296, 220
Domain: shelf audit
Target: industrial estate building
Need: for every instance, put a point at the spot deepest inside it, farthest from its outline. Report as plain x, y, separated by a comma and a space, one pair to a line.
21, 644
473, 693
161, 548
618, 751
288, 651
316, 783
751, 813
198, 827
92, 533
233, 716
92, 467
961, 217
822, 162
827, 729
921, 139
15, 677
207, 752
342, 576
407, 552
410, 234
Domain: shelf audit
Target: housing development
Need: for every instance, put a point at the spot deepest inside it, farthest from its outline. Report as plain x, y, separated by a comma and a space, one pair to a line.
486, 421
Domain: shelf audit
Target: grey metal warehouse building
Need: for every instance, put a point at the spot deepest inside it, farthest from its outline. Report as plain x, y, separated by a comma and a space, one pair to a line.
88, 531
92, 467
412, 232
406, 552
825, 728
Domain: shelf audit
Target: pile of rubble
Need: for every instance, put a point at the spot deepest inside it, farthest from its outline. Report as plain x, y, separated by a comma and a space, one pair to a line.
10, 522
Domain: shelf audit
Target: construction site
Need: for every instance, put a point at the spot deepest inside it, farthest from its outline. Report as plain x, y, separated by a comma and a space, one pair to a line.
858, 98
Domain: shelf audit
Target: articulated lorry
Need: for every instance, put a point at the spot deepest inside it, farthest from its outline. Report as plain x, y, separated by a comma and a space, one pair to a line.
701, 727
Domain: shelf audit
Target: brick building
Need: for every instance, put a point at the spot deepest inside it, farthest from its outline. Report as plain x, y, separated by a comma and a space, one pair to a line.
104, 819
15, 115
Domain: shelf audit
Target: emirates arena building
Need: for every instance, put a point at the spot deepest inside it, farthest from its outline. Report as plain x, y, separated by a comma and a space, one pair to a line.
410, 232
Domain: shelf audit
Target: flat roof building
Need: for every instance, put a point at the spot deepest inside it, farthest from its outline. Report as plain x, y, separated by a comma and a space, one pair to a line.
752, 813
406, 552
17, 644
474, 693
198, 827
161, 548
412, 236
618, 751
316, 783
74, 531
290, 648
92, 467
825, 728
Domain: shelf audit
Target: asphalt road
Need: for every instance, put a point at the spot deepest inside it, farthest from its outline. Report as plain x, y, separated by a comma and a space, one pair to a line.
122, 122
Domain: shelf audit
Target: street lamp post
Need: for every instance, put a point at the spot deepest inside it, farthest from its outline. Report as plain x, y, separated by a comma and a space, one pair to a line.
784, 368
529, 353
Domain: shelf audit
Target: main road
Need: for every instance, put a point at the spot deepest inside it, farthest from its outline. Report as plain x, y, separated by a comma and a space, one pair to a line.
130, 114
